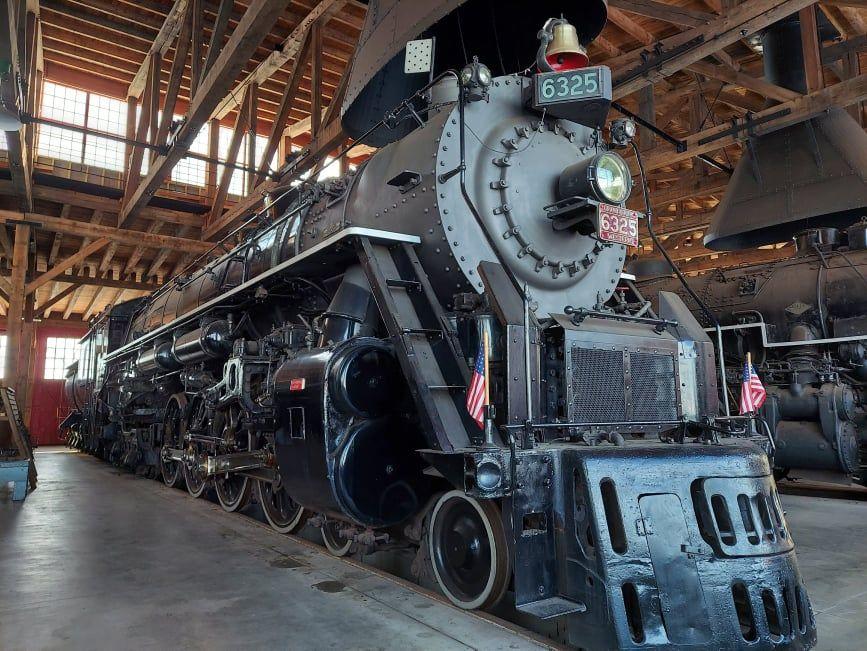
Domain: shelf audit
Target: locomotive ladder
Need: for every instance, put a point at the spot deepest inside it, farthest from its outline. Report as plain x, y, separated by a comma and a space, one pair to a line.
425, 343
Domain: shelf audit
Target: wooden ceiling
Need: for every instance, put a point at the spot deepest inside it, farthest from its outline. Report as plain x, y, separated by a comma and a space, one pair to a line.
107, 46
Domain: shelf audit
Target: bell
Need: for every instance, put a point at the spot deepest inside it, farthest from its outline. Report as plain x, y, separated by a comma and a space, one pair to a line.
565, 51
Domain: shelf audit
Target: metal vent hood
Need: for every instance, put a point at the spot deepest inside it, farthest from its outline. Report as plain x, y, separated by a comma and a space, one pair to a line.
810, 174
502, 33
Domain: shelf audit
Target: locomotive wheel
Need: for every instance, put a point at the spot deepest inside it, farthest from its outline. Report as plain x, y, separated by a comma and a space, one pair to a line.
468, 550
283, 514
233, 491
196, 481
115, 456
171, 471
334, 542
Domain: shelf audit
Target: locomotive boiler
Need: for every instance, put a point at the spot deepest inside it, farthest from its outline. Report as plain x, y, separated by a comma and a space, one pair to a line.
325, 360
804, 321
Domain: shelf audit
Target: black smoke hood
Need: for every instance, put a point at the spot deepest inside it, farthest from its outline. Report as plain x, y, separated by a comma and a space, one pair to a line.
807, 175
502, 33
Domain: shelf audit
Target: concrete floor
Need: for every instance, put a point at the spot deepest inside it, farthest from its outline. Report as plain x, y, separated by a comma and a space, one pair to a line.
99, 559
830, 536
96, 558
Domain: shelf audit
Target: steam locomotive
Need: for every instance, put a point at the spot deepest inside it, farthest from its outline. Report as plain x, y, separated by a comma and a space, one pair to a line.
804, 321
325, 363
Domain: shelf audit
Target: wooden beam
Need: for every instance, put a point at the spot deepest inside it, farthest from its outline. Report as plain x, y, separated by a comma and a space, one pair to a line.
70, 305
121, 235
196, 51
241, 120
812, 51
280, 56
65, 264
664, 12
20, 158
138, 153
15, 314
729, 76
160, 45
286, 102
250, 158
840, 95
330, 137
256, 22
218, 32
51, 302
315, 78
182, 47
699, 42
629, 26
138, 252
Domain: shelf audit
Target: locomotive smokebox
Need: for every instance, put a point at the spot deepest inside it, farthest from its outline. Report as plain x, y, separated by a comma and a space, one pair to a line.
807, 174
505, 39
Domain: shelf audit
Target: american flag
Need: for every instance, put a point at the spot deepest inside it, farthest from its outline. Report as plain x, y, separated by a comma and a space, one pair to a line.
752, 391
477, 394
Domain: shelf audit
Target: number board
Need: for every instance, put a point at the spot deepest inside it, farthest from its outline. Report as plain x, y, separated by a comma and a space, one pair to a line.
618, 224
572, 85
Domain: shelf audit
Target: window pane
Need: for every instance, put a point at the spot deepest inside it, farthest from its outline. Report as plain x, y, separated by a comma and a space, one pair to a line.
102, 152
60, 352
3, 144
107, 114
60, 143
2, 356
63, 104
190, 170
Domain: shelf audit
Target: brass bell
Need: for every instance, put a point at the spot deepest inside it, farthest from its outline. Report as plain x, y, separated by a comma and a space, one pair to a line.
565, 51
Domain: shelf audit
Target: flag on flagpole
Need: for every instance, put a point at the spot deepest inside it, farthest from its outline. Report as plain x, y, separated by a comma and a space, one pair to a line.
752, 391
477, 393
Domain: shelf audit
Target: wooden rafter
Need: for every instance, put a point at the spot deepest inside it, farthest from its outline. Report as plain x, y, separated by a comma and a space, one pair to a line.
111, 233
241, 120
281, 55
842, 94
665, 12
256, 22
700, 42
160, 45
179, 61
65, 264
286, 102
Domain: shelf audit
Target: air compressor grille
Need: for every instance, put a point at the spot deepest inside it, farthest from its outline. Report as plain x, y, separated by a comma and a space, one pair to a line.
598, 393
654, 396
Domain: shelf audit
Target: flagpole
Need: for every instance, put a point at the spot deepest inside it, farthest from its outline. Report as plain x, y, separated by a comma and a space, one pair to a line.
489, 425
749, 372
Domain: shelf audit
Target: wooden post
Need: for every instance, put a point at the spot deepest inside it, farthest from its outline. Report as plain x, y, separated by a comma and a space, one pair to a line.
812, 51
252, 99
15, 316
213, 154
315, 79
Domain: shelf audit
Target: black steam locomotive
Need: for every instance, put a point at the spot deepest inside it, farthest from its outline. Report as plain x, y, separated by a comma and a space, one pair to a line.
325, 361
804, 321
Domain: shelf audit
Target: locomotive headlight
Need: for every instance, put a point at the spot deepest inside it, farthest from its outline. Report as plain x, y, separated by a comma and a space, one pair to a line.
605, 177
613, 182
475, 78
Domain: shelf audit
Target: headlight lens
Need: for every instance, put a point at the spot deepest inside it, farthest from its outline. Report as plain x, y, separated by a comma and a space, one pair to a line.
484, 75
613, 180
